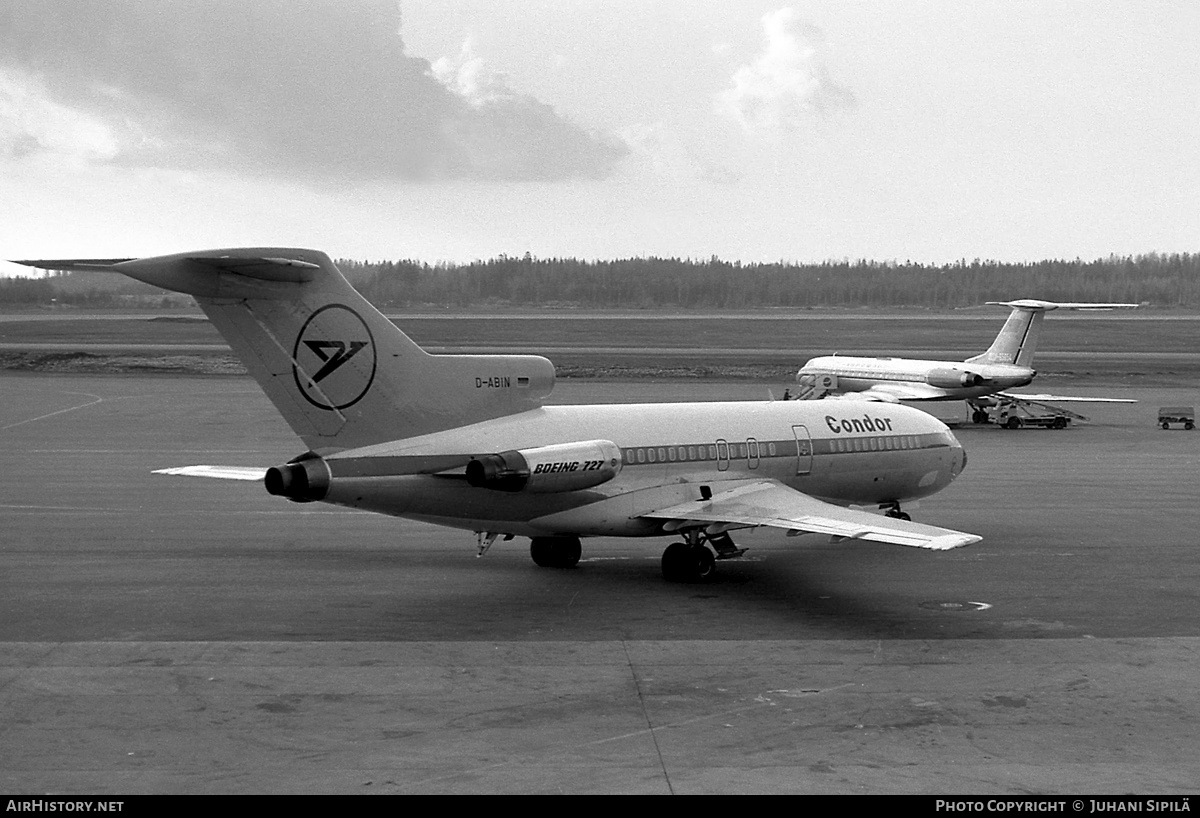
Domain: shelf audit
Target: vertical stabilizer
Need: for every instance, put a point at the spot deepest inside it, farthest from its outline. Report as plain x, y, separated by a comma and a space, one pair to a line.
1017, 340
339, 371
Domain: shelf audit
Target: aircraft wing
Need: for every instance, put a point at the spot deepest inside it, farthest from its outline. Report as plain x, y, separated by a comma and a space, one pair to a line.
220, 472
1061, 398
895, 392
769, 502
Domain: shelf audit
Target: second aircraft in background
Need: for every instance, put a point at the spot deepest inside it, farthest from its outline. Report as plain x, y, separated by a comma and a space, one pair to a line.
981, 380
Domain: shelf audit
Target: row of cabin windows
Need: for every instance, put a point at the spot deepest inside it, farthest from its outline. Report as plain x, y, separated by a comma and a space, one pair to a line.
882, 376
750, 450
875, 444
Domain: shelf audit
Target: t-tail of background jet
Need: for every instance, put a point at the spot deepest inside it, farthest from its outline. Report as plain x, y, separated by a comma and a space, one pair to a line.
339, 371
1018, 338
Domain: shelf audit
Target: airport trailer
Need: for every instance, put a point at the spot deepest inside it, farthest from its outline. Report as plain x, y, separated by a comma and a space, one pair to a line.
1177, 414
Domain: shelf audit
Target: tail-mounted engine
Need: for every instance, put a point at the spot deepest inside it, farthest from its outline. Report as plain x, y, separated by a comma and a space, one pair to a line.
953, 378
303, 480
547, 469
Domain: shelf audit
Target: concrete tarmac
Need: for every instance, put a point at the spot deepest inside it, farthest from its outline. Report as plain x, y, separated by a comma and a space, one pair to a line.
174, 635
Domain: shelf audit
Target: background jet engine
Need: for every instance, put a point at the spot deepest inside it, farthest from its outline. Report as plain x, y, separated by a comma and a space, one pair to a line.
953, 378
547, 469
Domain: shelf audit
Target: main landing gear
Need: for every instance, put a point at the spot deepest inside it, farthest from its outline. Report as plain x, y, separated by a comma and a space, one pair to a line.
893, 511
694, 561
555, 552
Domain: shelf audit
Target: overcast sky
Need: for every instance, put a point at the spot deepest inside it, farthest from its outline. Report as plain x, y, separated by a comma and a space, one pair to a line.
445, 130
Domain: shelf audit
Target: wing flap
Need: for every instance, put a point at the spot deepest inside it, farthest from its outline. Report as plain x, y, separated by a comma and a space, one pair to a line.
770, 503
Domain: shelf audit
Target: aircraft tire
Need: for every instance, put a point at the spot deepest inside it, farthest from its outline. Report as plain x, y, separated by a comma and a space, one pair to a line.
704, 564
674, 562
682, 562
555, 552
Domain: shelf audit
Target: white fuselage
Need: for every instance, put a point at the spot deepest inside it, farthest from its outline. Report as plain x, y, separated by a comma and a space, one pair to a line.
849, 452
928, 380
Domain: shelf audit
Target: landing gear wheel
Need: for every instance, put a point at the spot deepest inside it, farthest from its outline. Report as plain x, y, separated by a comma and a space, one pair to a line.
674, 562
684, 562
703, 563
555, 552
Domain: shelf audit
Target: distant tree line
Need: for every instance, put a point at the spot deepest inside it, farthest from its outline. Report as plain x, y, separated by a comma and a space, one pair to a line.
1158, 279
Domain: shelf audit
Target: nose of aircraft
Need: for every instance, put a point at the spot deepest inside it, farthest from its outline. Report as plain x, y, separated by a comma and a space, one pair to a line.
958, 455
958, 460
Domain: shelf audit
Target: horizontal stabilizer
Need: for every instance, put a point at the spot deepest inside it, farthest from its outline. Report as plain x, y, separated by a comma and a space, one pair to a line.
233, 273
1037, 305
73, 265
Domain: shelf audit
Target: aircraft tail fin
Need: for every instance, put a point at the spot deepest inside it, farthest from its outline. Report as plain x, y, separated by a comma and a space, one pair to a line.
339, 371
1018, 338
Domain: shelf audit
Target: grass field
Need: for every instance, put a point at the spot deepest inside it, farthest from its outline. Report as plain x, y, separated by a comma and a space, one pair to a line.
737, 345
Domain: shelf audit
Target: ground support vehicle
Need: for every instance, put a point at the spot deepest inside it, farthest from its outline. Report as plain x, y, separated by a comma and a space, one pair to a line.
1177, 414
1008, 413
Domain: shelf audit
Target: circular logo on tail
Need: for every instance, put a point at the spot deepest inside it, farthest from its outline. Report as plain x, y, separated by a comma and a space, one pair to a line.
334, 358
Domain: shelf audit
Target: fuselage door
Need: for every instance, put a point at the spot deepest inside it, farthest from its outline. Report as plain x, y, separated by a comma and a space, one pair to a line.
803, 449
722, 454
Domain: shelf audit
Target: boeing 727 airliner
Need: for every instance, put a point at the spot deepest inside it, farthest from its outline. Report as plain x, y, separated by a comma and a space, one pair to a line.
465, 440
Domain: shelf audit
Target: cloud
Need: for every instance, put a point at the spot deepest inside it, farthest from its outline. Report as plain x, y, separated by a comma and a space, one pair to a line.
320, 89
788, 82
31, 124
502, 131
660, 152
